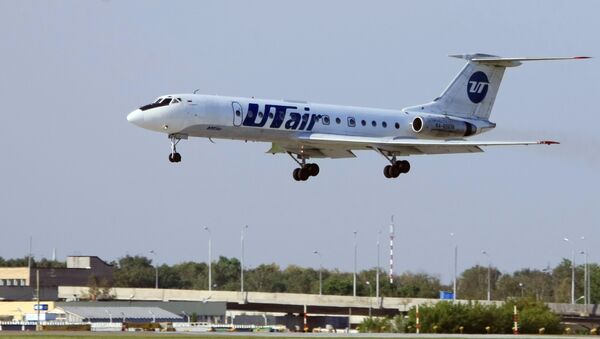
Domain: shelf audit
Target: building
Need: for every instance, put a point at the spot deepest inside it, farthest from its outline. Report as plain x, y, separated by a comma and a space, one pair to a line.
104, 311
19, 283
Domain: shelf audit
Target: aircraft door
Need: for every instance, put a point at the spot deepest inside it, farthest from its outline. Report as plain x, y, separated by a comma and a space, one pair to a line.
238, 113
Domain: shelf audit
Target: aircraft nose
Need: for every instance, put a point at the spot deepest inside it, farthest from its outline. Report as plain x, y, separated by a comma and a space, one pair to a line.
136, 117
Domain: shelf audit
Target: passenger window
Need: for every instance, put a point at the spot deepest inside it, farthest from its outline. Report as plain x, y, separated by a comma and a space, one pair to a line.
260, 115
351, 122
338, 120
384, 124
237, 113
326, 120
373, 123
397, 125
362, 122
271, 115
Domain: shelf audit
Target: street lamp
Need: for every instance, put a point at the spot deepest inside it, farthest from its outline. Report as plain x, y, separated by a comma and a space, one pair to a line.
522, 286
354, 275
378, 266
586, 292
370, 297
572, 272
489, 275
242, 259
155, 269
209, 258
455, 267
320, 272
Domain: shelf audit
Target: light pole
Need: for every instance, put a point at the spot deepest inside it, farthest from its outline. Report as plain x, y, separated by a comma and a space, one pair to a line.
378, 266
320, 272
572, 272
522, 289
586, 292
455, 267
489, 275
155, 269
242, 260
370, 297
354, 275
209, 258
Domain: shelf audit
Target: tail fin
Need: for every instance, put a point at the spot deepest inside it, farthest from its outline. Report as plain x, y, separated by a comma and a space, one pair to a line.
473, 92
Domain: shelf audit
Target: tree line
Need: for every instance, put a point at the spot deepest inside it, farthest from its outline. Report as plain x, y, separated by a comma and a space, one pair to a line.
548, 285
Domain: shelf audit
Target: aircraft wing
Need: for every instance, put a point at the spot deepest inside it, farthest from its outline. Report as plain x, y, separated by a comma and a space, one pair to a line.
403, 146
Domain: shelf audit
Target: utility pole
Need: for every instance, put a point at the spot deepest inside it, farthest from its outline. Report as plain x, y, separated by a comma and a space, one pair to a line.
209, 258
378, 266
29, 256
155, 269
320, 272
354, 275
572, 271
242, 260
489, 276
455, 267
37, 278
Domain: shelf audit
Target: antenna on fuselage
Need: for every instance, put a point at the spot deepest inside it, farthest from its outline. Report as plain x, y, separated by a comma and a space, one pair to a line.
196, 90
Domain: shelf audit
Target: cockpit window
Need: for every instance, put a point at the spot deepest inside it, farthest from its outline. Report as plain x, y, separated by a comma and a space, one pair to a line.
158, 103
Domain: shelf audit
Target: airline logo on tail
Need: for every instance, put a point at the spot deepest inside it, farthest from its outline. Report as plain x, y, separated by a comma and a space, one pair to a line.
477, 87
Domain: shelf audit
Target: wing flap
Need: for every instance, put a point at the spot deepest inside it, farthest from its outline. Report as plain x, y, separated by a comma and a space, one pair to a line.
409, 146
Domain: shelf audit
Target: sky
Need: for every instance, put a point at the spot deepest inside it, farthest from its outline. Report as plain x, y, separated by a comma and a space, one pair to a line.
76, 176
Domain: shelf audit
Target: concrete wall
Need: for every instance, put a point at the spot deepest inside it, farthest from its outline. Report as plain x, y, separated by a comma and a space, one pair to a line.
14, 276
336, 301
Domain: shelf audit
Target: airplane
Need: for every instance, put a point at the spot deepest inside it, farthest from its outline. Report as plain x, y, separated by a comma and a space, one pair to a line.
310, 131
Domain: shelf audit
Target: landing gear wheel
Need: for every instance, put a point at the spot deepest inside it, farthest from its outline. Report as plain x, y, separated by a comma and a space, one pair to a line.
313, 169
395, 170
404, 166
296, 174
386, 171
304, 173
174, 157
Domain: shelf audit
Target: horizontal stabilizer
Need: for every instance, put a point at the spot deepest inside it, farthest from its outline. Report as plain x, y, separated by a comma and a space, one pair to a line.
508, 62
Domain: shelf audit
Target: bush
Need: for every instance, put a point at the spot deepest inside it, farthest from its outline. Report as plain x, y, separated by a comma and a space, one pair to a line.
375, 325
475, 318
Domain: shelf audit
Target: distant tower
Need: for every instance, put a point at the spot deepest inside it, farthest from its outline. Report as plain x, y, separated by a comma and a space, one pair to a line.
54, 254
392, 251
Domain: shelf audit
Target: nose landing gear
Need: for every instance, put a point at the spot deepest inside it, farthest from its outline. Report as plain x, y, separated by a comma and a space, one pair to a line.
175, 139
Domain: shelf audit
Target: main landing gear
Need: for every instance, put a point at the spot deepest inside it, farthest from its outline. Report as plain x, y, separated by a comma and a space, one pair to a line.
396, 167
175, 139
305, 170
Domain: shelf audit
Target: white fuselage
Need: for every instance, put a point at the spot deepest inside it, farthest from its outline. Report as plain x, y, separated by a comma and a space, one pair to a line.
275, 120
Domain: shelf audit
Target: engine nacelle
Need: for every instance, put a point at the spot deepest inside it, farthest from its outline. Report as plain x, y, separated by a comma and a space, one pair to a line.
442, 127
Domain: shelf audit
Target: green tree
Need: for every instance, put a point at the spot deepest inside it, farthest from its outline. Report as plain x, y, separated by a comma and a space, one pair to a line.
265, 278
302, 280
192, 275
226, 274
134, 271
472, 284
338, 284
418, 285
